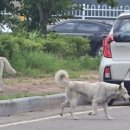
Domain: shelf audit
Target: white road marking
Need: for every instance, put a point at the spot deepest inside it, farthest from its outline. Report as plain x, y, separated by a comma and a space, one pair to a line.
51, 117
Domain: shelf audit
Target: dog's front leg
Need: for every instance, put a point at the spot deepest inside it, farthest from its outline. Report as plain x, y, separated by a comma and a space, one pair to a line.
1, 75
72, 113
105, 106
73, 104
94, 108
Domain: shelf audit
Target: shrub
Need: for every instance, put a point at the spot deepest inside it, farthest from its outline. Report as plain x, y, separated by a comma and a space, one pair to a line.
90, 62
66, 45
11, 45
36, 63
8, 46
36, 56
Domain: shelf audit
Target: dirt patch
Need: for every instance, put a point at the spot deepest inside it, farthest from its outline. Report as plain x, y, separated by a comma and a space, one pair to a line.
39, 86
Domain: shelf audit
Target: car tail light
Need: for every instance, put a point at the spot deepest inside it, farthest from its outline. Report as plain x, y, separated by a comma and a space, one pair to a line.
107, 72
106, 46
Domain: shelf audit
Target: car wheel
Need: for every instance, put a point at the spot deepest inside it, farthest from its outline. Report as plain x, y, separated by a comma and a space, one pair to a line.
110, 103
127, 86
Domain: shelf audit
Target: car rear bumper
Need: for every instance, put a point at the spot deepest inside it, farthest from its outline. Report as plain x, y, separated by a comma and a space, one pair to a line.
120, 70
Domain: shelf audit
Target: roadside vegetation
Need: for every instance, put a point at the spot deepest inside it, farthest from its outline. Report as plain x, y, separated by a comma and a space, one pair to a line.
32, 55
36, 57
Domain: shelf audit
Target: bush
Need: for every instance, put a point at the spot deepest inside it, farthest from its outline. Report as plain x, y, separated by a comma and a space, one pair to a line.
90, 63
8, 46
36, 56
36, 63
66, 46
39, 63
11, 45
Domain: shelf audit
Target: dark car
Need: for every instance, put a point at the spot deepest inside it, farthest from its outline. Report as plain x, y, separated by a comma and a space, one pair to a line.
96, 31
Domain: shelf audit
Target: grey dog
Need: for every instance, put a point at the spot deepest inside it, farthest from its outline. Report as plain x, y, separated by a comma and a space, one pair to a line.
99, 92
5, 65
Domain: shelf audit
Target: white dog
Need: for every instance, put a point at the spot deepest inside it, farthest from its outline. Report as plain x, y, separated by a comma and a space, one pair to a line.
5, 65
99, 92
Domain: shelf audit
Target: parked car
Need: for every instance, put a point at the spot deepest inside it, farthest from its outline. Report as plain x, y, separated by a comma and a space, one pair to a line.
115, 62
94, 30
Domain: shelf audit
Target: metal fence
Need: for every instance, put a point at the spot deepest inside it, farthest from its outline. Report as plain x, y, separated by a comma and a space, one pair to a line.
98, 11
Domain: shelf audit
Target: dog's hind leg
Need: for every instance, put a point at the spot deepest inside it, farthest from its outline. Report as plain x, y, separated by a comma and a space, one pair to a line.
8, 68
63, 105
105, 106
94, 108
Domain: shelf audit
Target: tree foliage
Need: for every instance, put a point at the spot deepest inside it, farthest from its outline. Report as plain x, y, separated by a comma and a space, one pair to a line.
39, 13
1, 8
109, 2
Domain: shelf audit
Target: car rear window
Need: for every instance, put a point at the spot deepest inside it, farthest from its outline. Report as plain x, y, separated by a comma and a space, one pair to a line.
122, 30
87, 27
65, 27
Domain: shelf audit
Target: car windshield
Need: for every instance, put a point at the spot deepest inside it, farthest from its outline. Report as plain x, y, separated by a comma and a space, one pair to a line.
122, 30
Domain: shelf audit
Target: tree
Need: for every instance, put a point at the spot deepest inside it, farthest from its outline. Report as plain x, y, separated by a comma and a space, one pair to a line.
39, 13
1, 5
109, 2
9, 7
1, 8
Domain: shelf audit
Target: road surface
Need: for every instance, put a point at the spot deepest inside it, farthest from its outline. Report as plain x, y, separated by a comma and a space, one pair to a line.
50, 120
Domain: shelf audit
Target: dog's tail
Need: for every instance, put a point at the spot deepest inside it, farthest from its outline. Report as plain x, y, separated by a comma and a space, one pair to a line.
8, 68
61, 78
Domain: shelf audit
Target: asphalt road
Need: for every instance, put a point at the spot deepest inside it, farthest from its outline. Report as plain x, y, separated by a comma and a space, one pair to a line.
50, 120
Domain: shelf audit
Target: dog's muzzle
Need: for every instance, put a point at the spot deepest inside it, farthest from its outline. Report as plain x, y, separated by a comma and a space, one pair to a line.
126, 99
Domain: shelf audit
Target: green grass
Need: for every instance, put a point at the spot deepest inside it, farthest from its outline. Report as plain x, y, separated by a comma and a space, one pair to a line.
20, 95
40, 64
34, 56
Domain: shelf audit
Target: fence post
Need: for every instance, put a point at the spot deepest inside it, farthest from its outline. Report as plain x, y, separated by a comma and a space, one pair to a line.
83, 17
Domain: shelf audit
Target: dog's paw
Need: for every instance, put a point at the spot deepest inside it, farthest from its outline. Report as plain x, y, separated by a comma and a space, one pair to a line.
91, 113
110, 118
61, 114
76, 118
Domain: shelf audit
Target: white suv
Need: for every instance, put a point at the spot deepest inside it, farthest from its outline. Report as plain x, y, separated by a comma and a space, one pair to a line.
115, 62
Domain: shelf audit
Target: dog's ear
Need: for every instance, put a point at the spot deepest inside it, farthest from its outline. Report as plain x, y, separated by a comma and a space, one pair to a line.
120, 87
122, 83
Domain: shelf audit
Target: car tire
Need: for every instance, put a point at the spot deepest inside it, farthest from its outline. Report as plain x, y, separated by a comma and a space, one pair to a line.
127, 86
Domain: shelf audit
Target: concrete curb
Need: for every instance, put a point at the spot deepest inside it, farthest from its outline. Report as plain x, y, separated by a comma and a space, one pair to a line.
29, 104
